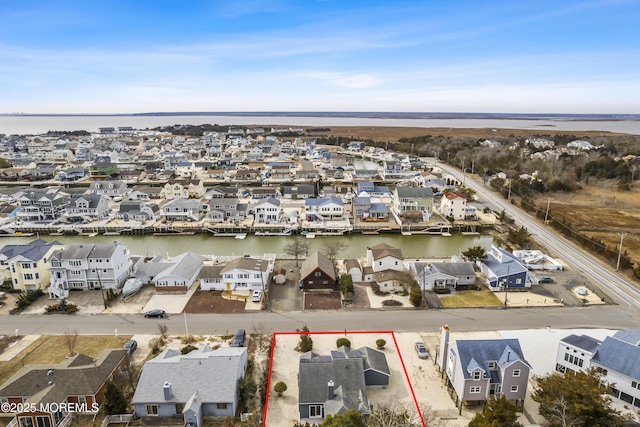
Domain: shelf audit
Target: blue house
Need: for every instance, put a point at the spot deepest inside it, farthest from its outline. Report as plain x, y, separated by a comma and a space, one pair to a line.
503, 270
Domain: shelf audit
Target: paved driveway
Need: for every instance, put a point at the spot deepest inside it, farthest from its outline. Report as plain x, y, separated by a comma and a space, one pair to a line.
286, 297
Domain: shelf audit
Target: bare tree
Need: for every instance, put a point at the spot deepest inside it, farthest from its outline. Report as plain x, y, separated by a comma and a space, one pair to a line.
332, 248
71, 338
394, 415
296, 248
260, 331
164, 330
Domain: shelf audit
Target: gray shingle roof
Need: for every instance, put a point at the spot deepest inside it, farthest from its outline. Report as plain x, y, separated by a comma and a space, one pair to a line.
476, 353
317, 260
382, 250
582, 341
619, 356
212, 373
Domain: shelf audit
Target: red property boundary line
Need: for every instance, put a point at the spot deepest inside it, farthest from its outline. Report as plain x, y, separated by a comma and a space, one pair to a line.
345, 332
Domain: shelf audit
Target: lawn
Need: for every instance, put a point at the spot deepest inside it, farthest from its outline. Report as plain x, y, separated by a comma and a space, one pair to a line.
471, 298
54, 349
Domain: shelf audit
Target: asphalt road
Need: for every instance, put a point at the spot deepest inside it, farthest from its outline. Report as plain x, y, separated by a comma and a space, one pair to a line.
619, 288
471, 319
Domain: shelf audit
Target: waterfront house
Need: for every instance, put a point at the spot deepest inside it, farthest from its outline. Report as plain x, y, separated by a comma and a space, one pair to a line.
139, 211
503, 270
78, 380
27, 266
87, 208
88, 266
367, 188
454, 205
227, 209
72, 174
335, 383
102, 167
317, 272
268, 211
182, 188
221, 191
392, 169
144, 193
615, 358
323, 209
175, 274
201, 383
242, 274
413, 203
383, 257
457, 274
182, 210
108, 188
367, 210
41, 204
264, 192
479, 370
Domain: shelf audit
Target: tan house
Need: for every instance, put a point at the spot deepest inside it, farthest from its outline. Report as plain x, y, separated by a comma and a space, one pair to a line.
182, 189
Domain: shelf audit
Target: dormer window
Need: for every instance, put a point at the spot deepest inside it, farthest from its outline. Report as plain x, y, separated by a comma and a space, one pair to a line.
477, 375
491, 365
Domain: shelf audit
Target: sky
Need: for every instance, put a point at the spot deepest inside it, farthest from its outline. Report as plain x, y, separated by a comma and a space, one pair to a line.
494, 56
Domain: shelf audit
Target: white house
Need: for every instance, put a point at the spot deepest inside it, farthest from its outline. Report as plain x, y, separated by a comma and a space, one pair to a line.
323, 209
385, 257
454, 205
180, 272
238, 274
268, 211
353, 268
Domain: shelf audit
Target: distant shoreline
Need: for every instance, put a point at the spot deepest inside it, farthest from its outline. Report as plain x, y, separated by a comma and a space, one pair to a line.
373, 115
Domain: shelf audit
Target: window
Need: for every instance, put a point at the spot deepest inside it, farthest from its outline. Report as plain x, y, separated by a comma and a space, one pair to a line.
28, 276
575, 360
477, 375
221, 405
152, 409
315, 411
491, 365
43, 421
475, 389
516, 372
318, 274
635, 384
514, 389
179, 408
82, 400
26, 422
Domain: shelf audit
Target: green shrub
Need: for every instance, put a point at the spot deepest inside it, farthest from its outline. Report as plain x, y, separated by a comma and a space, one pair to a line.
442, 291
343, 342
280, 388
306, 343
188, 349
380, 343
392, 303
415, 296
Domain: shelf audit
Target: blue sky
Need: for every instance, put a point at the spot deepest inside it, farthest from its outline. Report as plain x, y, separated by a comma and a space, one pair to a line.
122, 56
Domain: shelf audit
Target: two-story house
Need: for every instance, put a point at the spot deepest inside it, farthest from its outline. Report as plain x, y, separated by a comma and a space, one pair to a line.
139, 211
182, 210
392, 169
41, 204
413, 203
454, 205
268, 211
503, 270
318, 272
478, 370
27, 266
182, 188
323, 209
227, 209
113, 188
88, 266
87, 208
244, 274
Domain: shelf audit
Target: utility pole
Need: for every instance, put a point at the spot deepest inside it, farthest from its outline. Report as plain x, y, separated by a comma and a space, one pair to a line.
506, 288
619, 252
509, 195
464, 177
546, 215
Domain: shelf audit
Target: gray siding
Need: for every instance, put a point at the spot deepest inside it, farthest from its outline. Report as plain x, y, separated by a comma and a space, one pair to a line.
509, 380
375, 379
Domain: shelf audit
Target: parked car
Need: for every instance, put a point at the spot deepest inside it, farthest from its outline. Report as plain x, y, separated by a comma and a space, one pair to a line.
155, 313
130, 346
238, 338
256, 296
421, 350
545, 279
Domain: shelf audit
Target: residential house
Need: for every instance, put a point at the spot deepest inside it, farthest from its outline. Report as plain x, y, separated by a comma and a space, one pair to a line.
413, 203
353, 268
144, 193
72, 174
615, 358
265, 192
88, 266
238, 274
456, 274
268, 211
27, 266
357, 145
183, 188
220, 191
335, 383
201, 383
479, 370
182, 210
368, 188
103, 167
251, 175
228, 209
503, 270
454, 205
280, 171
318, 272
302, 191
323, 209
78, 381
87, 208
108, 188
139, 211
383, 257
175, 274
366, 209
41, 204
392, 169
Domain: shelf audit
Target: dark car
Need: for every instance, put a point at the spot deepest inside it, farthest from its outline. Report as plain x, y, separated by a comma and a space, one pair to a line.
238, 338
130, 346
545, 279
155, 313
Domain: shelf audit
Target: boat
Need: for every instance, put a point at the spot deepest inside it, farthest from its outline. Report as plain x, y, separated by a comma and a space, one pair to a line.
131, 287
241, 236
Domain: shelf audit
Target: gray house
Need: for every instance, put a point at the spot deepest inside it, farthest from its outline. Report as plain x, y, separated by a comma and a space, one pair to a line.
336, 383
456, 274
191, 386
478, 370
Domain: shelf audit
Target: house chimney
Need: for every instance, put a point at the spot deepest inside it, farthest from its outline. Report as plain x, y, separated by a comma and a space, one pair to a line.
330, 389
166, 388
508, 355
444, 347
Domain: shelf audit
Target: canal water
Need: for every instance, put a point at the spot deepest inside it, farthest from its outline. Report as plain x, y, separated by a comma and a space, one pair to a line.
416, 246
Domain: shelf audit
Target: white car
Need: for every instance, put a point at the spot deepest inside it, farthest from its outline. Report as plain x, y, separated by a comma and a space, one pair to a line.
256, 296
